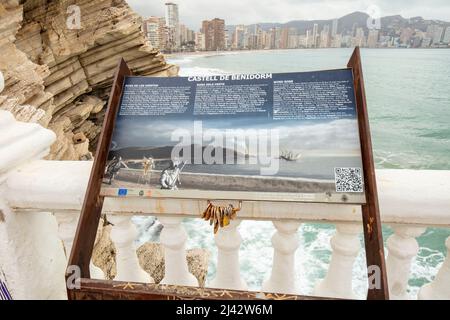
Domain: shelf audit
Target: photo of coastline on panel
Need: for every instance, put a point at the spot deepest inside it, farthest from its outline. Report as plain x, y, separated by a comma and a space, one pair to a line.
274, 137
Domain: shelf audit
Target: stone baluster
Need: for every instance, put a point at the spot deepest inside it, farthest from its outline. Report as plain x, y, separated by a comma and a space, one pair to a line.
345, 245
228, 241
285, 242
439, 289
123, 235
403, 247
173, 239
67, 226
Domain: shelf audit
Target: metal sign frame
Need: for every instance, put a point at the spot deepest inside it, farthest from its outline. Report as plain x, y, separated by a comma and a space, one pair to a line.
92, 207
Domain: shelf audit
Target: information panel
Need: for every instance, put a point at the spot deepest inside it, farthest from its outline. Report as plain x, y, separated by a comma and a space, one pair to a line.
274, 137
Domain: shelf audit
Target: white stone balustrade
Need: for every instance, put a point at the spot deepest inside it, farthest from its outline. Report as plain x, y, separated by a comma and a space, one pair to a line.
228, 241
67, 226
345, 246
173, 238
30, 250
33, 260
285, 242
123, 235
402, 249
439, 289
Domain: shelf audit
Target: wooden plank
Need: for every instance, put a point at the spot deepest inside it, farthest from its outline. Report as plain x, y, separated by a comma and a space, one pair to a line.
92, 207
373, 237
101, 289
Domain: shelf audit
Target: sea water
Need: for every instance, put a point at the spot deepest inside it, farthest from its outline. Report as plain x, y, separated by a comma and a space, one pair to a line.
408, 92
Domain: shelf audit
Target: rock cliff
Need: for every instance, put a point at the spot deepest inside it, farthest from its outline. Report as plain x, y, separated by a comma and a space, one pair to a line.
58, 73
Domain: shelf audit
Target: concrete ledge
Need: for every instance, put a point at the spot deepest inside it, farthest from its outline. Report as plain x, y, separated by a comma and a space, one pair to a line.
21, 142
420, 197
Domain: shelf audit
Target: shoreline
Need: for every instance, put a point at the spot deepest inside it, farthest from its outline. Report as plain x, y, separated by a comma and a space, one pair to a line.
231, 52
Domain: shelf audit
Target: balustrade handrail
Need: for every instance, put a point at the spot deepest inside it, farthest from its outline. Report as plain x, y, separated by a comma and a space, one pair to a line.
410, 197
410, 200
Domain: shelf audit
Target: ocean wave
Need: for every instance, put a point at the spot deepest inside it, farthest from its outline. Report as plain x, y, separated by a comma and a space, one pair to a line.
199, 71
181, 60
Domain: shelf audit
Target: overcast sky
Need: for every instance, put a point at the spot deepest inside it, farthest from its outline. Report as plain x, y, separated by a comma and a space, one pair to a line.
317, 136
192, 12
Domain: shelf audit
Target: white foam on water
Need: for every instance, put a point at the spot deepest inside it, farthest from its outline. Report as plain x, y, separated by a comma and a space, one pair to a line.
148, 229
187, 68
199, 71
180, 60
424, 268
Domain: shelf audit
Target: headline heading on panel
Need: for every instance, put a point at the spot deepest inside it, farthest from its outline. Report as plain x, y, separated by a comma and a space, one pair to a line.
231, 77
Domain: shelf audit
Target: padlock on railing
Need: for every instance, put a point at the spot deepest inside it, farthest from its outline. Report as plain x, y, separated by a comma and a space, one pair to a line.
220, 216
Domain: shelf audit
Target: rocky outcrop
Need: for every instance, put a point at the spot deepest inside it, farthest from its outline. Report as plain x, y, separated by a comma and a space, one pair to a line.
151, 258
60, 76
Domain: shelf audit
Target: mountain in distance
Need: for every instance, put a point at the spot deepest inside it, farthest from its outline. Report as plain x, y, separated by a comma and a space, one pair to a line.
138, 153
347, 23
164, 153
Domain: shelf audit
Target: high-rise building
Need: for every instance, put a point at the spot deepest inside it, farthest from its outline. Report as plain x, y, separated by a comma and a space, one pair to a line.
334, 29
272, 39
347, 41
337, 41
252, 41
315, 35
228, 41
354, 29
372, 38
426, 42
293, 42
173, 25
172, 15
416, 40
303, 41
284, 38
435, 32
325, 37
191, 35
238, 37
186, 34
260, 38
293, 39
268, 39
200, 41
183, 34
447, 36
277, 38
214, 32
154, 29
308, 38
406, 36
359, 39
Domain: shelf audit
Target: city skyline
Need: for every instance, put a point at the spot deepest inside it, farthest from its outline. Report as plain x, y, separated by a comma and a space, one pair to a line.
169, 34
282, 11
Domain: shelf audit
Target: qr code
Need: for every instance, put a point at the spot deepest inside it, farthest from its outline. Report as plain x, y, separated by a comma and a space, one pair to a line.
348, 179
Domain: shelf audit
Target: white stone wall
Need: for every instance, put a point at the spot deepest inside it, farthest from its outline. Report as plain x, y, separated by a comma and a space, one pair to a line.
31, 256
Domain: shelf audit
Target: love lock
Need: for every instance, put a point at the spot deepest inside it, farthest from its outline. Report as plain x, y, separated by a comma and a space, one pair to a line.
220, 216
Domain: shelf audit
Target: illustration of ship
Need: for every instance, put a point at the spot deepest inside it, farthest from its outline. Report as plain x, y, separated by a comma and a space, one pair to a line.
290, 156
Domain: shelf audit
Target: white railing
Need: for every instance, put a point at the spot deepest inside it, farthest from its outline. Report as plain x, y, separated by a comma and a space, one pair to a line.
40, 203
